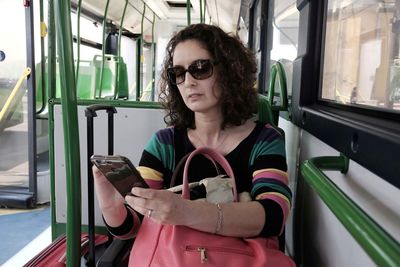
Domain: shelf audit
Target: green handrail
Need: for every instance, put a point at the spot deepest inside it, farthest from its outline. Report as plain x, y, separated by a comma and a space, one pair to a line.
103, 49
71, 132
117, 89
140, 57
383, 249
201, 11
153, 63
51, 82
204, 10
78, 39
188, 11
277, 70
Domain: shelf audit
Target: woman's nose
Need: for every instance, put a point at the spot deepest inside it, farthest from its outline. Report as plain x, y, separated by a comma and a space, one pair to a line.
189, 80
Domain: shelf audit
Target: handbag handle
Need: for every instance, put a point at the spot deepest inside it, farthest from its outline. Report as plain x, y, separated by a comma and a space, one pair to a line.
181, 163
213, 156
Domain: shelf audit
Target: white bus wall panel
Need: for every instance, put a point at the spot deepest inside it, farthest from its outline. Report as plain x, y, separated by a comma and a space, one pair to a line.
292, 139
133, 128
326, 242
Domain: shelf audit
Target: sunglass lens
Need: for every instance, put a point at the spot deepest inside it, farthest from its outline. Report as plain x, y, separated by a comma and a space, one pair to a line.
201, 69
177, 74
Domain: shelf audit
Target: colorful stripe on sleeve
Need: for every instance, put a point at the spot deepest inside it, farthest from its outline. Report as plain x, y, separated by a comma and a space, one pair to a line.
152, 177
270, 179
158, 158
161, 146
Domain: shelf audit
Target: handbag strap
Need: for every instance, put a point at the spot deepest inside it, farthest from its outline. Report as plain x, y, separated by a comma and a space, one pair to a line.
213, 156
177, 168
182, 162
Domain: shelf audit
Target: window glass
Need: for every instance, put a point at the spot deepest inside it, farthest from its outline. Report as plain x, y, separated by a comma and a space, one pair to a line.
90, 31
361, 54
13, 100
285, 37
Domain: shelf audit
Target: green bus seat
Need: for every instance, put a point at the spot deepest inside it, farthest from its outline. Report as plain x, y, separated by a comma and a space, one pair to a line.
111, 86
264, 110
84, 89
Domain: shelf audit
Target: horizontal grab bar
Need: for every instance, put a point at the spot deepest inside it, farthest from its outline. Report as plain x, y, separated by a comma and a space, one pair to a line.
383, 249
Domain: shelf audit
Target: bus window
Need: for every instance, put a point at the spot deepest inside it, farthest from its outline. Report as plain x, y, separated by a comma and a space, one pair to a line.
14, 169
362, 57
89, 30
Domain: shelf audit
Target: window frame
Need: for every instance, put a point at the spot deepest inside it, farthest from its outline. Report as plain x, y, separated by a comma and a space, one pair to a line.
265, 45
367, 135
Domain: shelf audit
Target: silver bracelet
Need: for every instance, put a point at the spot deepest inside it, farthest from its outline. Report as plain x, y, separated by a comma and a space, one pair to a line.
220, 219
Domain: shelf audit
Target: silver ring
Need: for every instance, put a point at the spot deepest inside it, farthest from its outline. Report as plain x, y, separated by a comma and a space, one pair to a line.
149, 212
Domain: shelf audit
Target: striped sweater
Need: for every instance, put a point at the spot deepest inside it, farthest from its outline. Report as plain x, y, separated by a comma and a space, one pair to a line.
258, 162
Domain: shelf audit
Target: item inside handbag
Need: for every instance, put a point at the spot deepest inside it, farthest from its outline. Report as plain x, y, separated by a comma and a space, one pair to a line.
214, 189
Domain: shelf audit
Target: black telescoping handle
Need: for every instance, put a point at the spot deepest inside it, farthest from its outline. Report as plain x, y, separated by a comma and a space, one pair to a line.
90, 113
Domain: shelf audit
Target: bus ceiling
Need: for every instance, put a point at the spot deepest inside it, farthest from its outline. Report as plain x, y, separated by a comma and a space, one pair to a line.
224, 13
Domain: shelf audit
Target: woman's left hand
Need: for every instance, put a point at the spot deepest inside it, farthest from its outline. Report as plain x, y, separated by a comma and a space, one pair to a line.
161, 206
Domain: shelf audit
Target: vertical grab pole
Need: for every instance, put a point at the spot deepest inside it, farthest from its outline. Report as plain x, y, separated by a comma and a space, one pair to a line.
71, 132
138, 67
188, 11
153, 65
201, 10
204, 11
78, 40
51, 82
103, 49
116, 91
141, 50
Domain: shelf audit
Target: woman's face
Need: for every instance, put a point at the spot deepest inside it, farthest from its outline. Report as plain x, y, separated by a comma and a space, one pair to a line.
201, 94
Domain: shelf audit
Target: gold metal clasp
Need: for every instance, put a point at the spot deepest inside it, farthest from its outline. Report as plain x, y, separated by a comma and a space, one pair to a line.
203, 255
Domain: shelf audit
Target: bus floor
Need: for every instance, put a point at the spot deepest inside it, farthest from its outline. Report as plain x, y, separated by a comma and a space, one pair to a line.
23, 234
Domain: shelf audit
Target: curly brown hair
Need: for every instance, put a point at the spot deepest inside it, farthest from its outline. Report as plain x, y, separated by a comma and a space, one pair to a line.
236, 77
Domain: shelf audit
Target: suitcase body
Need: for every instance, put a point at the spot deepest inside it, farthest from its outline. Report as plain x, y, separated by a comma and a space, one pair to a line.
55, 254
96, 250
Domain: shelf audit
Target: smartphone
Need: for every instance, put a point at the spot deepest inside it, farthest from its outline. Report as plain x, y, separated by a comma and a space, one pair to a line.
120, 171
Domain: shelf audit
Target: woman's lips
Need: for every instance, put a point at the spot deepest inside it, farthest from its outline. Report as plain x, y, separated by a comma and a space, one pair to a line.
194, 95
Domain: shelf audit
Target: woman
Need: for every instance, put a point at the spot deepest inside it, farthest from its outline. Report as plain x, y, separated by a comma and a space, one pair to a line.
207, 88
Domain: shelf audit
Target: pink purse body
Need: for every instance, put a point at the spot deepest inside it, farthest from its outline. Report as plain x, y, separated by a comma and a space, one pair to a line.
170, 245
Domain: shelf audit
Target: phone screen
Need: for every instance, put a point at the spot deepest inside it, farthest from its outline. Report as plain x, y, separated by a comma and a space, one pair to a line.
120, 172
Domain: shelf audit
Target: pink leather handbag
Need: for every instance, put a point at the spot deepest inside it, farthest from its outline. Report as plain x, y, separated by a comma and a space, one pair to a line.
178, 246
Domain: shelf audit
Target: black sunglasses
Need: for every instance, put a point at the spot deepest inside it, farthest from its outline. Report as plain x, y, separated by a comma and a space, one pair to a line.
199, 69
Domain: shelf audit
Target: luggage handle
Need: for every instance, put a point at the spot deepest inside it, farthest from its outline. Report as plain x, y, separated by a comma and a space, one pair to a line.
90, 113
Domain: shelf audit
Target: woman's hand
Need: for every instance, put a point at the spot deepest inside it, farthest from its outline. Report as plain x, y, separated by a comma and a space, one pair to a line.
161, 206
165, 207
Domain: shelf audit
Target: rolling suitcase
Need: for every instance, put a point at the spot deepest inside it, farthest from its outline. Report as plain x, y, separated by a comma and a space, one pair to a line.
96, 250
117, 251
54, 255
